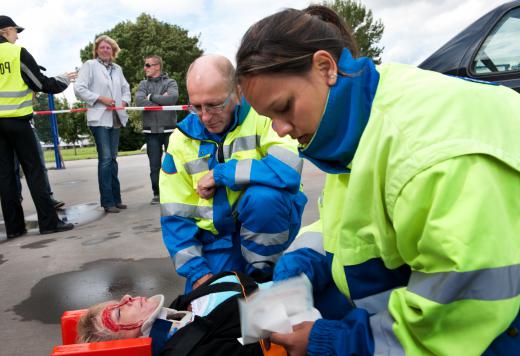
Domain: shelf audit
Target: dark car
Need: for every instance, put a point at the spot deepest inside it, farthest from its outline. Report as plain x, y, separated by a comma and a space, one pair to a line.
489, 49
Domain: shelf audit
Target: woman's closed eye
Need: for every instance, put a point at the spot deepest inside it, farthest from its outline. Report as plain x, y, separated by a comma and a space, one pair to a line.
285, 108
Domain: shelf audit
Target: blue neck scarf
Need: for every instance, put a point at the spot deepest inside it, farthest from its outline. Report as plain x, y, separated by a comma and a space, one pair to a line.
345, 116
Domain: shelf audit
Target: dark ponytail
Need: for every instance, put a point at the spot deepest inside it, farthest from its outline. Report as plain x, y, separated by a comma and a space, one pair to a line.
285, 42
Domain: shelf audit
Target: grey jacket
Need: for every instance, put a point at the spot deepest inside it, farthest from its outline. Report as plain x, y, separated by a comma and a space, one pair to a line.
94, 81
158, 121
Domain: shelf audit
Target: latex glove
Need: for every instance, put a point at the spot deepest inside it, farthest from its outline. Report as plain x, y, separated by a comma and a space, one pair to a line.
67, 77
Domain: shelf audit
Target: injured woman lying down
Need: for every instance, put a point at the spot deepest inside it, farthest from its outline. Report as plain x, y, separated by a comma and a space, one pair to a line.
205, 321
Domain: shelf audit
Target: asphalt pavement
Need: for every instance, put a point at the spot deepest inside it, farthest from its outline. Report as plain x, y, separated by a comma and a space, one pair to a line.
104, 257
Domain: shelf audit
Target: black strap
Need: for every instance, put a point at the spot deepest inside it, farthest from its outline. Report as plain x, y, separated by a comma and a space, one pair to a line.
247, 284
187, 338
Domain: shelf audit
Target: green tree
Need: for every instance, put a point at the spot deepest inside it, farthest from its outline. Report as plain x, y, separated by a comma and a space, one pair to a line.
72, 127
367, 32
42, 123
147, 36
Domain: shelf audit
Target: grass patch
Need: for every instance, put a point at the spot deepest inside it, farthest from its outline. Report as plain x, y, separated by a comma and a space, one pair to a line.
82, 153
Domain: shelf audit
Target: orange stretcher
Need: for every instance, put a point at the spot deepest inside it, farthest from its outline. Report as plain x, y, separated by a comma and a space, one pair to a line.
128, 347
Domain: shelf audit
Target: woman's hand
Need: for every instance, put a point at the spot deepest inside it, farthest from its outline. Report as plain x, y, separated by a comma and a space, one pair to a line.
106, 101
296, 342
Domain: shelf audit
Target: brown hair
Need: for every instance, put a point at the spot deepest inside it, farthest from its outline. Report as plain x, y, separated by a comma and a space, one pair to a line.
157, 58
110, 41
285, 42
90, 328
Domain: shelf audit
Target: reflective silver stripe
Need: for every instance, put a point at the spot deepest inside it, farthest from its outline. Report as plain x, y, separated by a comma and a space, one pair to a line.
264, 239
385, 341
186, 210
15, 94
485, 284
197, 166
15, 107
252, 257
374, 303
309, 239
31, 76
244, 143
185, 255
288, 157
243, 171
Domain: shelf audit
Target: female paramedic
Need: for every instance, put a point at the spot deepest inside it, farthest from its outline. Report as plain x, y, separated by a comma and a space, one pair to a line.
422, 200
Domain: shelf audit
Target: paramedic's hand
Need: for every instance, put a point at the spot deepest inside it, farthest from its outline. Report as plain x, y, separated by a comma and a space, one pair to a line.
201, 280
296, 342
206, 186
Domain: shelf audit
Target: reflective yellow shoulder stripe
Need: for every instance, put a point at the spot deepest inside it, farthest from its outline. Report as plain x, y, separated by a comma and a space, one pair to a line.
15, 95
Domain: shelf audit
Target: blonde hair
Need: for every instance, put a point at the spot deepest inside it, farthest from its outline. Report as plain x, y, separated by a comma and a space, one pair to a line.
110, 41
90, 327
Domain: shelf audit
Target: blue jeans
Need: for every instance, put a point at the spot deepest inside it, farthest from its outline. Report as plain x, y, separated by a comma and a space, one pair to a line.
155, 143
107, 143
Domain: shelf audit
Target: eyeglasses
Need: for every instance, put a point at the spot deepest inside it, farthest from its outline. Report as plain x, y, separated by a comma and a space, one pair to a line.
210, 109
109, 323
148, 65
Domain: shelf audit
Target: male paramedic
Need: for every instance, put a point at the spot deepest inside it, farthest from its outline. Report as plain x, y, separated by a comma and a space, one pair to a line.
230, 187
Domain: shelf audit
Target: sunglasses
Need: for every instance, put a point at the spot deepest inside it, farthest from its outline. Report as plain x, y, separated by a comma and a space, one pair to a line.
148, 65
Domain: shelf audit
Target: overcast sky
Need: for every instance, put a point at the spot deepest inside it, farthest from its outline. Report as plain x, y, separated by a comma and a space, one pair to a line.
56, 30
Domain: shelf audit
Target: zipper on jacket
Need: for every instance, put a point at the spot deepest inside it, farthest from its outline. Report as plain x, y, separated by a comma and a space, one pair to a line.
220, 145
220, 152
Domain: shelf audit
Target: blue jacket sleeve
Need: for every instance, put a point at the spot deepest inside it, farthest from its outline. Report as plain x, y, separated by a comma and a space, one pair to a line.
279, 166
350, 336
306, 255
186, 251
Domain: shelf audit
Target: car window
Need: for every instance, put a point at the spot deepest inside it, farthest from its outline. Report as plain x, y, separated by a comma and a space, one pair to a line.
500, 52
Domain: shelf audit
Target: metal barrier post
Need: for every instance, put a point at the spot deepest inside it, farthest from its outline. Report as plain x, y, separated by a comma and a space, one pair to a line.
55, 136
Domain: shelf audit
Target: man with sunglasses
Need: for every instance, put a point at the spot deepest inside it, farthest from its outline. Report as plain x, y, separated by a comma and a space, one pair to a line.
156, 90
230, 186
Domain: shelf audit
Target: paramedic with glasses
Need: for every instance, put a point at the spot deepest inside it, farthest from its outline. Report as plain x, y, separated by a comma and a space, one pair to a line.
230, 187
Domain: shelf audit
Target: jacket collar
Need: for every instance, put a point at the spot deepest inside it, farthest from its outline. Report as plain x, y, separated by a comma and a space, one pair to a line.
163, 76
192, 127
345, 116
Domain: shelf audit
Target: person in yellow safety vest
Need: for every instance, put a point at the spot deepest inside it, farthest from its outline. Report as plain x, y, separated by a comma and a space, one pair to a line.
230, 187
20, 76
421, 204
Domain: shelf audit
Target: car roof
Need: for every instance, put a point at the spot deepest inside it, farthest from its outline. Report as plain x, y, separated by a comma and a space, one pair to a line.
448, 58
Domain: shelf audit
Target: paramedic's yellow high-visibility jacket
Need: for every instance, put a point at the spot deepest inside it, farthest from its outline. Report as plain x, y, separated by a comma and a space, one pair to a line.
249, 153
424, 231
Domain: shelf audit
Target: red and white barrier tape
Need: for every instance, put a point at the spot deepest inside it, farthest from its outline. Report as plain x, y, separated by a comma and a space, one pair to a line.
127, 108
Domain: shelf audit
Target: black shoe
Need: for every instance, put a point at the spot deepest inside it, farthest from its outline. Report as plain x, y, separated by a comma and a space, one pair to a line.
155, 200
121, 206
112, 209
16, 234
60, 226
56, 204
